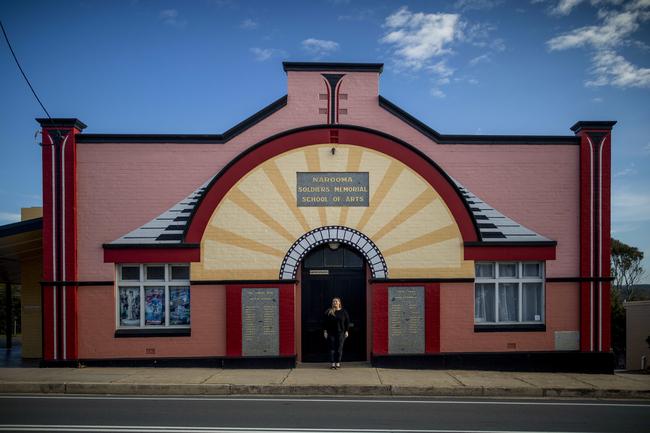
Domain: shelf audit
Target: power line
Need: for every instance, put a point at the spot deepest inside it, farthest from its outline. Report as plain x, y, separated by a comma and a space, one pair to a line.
23, 72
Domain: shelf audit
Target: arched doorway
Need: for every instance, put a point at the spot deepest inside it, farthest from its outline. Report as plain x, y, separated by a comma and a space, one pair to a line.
328, 271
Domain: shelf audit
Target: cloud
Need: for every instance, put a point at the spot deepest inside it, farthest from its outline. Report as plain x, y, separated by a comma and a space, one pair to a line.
171, 18
419, 37
630, 169
263, 54
435, 92
319, 47
564, 7
249, 24
597, 99
610, 68
9, 217
483, 58
615, 29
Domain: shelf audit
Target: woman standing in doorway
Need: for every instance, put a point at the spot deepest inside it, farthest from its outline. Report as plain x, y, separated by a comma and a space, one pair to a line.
336, 325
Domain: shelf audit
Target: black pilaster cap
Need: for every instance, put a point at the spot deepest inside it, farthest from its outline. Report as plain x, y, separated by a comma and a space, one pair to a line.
343, 67
593, 124
61, 123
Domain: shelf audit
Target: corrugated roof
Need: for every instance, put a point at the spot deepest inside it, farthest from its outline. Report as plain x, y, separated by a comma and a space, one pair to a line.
493, 225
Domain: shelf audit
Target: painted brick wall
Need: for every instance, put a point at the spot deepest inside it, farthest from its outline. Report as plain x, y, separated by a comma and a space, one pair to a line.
457, 321
97, 327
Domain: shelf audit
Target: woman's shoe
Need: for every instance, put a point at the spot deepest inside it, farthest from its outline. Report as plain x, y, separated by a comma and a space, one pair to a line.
333, 366
338, 365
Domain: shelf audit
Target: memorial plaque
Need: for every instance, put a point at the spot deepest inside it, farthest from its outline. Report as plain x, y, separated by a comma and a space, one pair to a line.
260, 322
405, 320
344, 189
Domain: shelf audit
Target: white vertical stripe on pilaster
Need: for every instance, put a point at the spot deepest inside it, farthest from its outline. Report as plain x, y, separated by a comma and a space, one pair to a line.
591, 243
63, 273
54, 274
600, 249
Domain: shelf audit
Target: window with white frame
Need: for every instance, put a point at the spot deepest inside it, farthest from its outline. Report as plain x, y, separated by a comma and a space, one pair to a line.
153, 296
509, 293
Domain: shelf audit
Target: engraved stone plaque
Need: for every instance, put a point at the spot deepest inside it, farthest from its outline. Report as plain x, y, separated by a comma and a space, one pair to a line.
260, 322
405, 320
345, 189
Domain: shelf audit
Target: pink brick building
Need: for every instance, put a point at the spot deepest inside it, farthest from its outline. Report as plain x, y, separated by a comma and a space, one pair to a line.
456, 251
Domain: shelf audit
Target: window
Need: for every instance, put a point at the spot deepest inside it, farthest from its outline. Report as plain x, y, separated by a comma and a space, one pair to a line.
153, 296
509, 293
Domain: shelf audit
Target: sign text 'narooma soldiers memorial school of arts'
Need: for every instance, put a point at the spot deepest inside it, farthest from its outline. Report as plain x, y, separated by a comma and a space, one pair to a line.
332, 189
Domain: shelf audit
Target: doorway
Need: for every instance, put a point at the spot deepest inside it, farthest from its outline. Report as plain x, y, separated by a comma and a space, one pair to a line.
329, 271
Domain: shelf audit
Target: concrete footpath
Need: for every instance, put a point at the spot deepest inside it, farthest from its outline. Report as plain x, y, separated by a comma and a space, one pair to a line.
352, 380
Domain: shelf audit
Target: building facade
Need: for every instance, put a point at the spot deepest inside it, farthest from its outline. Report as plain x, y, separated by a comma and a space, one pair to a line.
447, 250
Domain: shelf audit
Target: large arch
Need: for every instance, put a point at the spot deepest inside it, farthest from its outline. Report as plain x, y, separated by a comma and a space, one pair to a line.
317, 134
250, 223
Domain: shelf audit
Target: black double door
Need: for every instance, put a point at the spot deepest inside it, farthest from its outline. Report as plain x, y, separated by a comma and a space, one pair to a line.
328, 274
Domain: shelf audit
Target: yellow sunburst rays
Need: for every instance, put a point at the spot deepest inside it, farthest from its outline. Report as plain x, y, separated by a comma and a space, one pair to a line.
273, 173
354, 161
393, 172
426, 198
442, 234
313, 165
248, 205
231, 238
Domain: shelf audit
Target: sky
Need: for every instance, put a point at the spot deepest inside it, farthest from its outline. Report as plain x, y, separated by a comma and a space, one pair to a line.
462, 67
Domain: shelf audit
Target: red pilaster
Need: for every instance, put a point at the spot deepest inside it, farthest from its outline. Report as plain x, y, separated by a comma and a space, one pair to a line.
432, 318
60, 336
595, 240
379, 318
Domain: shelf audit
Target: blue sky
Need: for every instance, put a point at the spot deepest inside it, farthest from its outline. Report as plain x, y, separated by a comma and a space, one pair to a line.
462, 66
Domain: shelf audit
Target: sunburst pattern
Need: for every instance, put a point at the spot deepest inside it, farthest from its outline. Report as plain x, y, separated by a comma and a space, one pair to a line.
258, 221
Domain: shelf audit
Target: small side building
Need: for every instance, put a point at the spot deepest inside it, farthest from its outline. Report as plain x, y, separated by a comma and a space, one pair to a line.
637, 335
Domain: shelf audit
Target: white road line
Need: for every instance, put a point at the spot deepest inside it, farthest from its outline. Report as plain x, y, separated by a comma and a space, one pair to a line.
166, 429
332, 400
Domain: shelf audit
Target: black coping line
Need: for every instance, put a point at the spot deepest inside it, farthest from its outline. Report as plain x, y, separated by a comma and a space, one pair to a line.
512, 244
187, 138
77, 283
21, 227
157, 332
420, 280
474, 139
230, 282
522, 327
593, 124
329, 66
61, 122
577, 279
148, 246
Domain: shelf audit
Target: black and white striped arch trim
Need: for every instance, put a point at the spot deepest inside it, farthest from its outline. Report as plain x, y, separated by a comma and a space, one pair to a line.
341, 234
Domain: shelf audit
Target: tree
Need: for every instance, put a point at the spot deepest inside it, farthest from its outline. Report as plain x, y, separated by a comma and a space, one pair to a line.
626, 268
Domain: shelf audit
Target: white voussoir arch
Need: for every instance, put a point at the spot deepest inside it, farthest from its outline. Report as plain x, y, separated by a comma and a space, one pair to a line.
327, 234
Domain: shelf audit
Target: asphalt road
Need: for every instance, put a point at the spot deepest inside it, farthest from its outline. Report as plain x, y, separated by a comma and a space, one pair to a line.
215, 414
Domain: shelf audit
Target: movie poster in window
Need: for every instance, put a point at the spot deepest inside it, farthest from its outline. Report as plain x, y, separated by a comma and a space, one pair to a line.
154, 305
129, 306
179, 305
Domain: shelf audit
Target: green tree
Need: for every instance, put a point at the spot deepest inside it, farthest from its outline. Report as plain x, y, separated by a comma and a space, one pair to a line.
626, 269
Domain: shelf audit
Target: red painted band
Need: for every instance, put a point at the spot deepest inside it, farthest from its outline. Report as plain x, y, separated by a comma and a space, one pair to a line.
152, 255
495, 252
